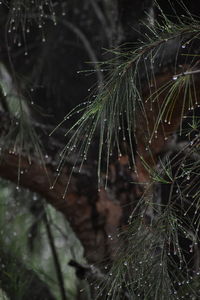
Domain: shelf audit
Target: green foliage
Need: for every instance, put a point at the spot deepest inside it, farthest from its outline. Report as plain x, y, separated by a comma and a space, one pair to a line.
158, 259
115, 110
23, 13
151, 264
19, 137
15, 235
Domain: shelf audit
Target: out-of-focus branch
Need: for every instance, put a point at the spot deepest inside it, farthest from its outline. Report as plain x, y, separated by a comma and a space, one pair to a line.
93, 215
100, 15
88, 48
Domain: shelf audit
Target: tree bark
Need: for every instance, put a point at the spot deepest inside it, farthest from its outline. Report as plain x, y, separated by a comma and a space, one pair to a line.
93, 215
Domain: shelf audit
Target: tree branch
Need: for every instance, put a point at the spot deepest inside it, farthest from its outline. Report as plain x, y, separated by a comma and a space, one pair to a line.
55, 257
93, 215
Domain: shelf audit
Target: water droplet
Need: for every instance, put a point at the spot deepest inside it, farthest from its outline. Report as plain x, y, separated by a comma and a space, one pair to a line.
35, 197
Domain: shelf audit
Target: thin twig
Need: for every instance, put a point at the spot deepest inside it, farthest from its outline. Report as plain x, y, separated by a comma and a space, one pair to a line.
88, 48
55, 257
102, 19
186, 73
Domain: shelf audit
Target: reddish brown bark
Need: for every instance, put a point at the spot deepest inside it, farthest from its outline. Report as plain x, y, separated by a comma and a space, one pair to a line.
93, 215
151, 144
